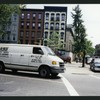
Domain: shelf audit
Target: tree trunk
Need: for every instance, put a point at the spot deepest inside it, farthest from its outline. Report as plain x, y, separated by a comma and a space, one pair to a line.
83, 61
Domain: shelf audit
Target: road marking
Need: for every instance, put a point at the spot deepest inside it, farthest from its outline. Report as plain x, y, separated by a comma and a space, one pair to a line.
70, 88
95, 76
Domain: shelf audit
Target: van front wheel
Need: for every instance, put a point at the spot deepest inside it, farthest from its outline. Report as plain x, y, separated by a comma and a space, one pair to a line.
44, 72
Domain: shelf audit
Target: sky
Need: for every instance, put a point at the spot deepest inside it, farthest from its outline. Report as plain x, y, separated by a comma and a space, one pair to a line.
91, 18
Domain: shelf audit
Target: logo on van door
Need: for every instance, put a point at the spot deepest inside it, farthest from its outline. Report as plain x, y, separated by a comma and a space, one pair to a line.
4, 52
36, 59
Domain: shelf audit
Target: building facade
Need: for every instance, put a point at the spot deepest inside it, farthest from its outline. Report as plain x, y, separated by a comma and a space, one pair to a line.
55, 20
31, 26
11, 35
35, 26
69, 38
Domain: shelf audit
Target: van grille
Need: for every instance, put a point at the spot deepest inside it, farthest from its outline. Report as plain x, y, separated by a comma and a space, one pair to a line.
61, 64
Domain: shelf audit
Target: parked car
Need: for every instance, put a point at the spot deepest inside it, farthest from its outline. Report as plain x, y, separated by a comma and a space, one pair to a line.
95, 64
64, 55
89, 59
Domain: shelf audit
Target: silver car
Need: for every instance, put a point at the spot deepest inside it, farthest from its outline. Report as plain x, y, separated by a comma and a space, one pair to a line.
95, 64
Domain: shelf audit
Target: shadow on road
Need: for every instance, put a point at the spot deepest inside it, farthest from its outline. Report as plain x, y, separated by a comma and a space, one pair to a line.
28, 74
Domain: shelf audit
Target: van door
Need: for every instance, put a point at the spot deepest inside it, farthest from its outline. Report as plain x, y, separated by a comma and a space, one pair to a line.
24, 59
18, 56
24, 56
15, 55
36, 58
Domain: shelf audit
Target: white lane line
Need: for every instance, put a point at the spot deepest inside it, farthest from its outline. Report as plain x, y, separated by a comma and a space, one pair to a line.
70, 88
95, 76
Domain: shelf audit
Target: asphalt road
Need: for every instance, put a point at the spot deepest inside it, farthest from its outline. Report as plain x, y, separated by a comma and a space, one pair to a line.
76, 81
29, 84
83, 80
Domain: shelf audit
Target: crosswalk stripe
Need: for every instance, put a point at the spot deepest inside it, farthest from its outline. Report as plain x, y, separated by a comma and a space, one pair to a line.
69, 87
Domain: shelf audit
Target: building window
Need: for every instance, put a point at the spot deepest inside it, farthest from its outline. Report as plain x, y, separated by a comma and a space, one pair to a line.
14, 27
46, 25
39, 16
46, 35
8, 37
22, 24
15, 17
39, 25
38, 34
62, 26
57, 26
50, 35
8, 27
32, 34
32, 42
51, 26
27, 24
52, 17
33, 25
57, 17
21, 41
63, 17
22, 15
45, 43
62, 35
47, 16
34, 15
27, 33
28, 16
14, 36
3, 37
21, 34
26, 42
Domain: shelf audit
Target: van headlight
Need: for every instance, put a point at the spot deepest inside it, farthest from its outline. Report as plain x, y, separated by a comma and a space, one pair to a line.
54, 62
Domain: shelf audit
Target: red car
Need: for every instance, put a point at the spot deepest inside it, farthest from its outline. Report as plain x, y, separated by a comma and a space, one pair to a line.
63, 55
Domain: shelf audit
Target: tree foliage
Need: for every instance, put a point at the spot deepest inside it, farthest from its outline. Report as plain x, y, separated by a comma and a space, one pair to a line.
6, 10
54, 42
82, 46
89, 49
79, 30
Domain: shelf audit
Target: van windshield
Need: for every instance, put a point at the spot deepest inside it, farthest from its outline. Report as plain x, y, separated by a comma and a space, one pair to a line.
49, 51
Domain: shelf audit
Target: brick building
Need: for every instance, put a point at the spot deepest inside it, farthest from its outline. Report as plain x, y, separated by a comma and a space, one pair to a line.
31, 26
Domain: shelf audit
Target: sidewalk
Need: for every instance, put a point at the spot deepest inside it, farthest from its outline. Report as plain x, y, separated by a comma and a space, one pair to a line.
77, 68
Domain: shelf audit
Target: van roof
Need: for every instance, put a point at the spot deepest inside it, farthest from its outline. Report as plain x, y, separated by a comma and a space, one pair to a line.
25, 45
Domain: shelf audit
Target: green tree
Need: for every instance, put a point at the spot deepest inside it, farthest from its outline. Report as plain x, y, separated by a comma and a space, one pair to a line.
6, 10
89, 49
82, 45
54, 42
80, 33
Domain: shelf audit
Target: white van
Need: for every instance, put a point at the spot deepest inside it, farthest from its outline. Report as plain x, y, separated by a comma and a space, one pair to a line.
30, 58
